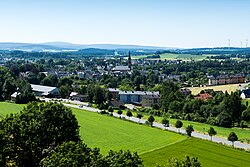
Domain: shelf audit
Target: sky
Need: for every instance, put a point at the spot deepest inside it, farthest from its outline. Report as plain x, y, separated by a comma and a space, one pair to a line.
167, 23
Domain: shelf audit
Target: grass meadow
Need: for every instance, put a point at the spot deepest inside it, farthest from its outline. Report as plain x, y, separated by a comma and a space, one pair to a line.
155, 146
171, 56
209, 154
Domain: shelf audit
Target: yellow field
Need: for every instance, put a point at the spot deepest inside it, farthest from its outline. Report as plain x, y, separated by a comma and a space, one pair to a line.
229, 88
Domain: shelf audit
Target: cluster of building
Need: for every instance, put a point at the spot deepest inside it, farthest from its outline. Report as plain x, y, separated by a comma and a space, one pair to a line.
143, 98
226, 79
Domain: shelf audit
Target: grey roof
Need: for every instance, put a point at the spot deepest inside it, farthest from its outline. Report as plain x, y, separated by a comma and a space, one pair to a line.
151, 97
226, 76
246, 92
113, 90
44, 89
138, 93
121, 68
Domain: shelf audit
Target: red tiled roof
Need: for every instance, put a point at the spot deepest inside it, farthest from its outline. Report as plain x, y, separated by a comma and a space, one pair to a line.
204, 96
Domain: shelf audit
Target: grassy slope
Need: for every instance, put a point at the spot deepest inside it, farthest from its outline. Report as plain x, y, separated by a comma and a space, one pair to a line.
153, 145
209, 154
8, 108
111, 133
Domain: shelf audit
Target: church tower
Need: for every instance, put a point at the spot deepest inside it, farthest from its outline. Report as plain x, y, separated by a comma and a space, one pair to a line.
129, 61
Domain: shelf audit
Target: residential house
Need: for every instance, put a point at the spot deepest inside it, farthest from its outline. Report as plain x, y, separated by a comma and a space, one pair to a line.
114, 92
203, 96
150, 100
116, 104
245, 94
185, 91
226, 79
14, 95
78, 97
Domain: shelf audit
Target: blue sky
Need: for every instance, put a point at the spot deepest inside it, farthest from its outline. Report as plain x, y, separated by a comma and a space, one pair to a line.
170, 23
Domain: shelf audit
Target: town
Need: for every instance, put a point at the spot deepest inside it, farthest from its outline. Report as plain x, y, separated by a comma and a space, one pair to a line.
124, 83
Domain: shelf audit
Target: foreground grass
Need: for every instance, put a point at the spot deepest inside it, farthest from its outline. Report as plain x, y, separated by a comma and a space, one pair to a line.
208, 153
112, 133
155, 146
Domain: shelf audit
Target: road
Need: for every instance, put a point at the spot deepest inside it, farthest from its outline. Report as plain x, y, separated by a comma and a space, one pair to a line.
158, 125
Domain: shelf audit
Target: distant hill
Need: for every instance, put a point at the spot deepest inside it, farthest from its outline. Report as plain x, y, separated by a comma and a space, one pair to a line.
102, 46
29, 47
64, 46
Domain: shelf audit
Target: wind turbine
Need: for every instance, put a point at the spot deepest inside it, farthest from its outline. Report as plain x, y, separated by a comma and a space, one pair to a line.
229, 43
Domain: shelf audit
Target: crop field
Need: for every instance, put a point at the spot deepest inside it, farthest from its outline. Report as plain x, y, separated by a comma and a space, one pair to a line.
229, 88
208, 153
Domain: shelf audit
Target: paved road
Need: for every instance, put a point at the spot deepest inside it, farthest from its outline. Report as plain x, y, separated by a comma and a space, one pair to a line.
158, 125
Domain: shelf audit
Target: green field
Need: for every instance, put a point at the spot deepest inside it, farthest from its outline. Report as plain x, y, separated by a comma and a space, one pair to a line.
112, 133
152, 144
209, 154
8, 108
171, 56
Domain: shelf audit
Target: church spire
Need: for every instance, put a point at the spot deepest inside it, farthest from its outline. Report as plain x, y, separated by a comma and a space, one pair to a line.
129, 61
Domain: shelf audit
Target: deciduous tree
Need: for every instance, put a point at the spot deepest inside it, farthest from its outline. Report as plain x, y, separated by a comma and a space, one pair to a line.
232, 137
211, 132
178, 124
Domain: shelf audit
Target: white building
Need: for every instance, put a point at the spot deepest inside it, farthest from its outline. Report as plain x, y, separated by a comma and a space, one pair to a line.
41, 90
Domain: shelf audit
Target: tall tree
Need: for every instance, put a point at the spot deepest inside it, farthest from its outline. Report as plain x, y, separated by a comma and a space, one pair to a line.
167, 94
37, 128
8, 88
